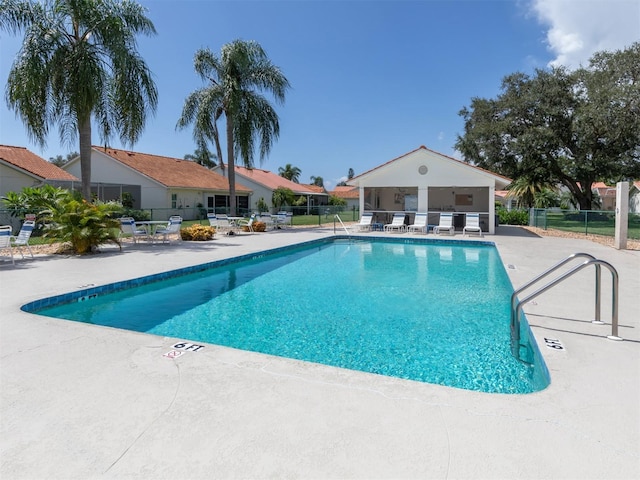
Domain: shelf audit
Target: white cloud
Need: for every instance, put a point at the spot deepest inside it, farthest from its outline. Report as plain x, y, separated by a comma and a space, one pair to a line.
579, 28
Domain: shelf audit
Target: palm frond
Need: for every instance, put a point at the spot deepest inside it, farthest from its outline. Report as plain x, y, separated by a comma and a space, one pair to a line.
79, 59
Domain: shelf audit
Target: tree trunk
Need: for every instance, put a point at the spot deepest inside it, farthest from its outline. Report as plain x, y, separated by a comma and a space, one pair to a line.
584, 198
218, 149
84, 131
231, 167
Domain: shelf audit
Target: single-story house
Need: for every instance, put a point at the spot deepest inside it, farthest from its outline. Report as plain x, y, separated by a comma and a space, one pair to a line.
507, 201
165, 185
263, 183
607, 196
427, 181
348, 193
20, 168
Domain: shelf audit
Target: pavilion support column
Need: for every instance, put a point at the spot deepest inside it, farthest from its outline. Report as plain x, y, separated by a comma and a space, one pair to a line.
492, 210
423, 199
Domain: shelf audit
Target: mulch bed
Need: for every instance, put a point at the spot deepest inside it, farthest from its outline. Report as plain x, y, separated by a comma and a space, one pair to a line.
601, 239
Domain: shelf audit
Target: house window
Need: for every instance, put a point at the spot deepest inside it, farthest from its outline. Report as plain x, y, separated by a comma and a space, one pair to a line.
174, 200
221, 203
464, 200
242, 203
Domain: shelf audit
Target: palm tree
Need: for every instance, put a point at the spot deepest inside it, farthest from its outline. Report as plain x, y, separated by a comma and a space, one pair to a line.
79, 60
202, 156
282, 196
236, 81
59, 160
290, 172
525, 189
317, 181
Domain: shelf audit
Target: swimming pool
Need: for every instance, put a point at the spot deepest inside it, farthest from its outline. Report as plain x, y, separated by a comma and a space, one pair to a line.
430, 311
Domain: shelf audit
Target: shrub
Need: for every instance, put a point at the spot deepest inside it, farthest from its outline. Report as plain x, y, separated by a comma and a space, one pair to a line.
137, 215
513, 217
257, 227
338, 201
262, 206
197, 233
83, 226
33, 200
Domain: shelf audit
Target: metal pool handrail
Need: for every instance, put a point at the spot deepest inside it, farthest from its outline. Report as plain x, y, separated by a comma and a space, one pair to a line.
343, 225
516, 306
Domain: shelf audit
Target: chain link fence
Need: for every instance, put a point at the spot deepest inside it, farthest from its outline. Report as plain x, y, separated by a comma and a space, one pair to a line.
588, 222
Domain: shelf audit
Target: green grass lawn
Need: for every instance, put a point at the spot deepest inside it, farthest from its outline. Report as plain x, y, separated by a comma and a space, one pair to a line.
596, 223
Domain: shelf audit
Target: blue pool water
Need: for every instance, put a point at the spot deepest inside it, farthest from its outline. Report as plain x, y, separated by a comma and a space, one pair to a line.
431, 312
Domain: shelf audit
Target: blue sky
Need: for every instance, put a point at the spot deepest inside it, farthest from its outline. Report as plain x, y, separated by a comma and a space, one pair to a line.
371, 80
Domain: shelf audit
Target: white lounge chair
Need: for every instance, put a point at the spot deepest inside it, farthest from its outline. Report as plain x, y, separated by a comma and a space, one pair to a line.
128, 227
173, 228
472, 224
419, 223
365, 223
5, 242
445, 224
22, 240
397, 224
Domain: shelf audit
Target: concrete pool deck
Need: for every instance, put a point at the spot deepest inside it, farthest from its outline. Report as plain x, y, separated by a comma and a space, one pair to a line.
80, 401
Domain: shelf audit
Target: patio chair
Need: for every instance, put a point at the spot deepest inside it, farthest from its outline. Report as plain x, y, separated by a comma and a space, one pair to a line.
397, 224
128, 227
365, 223
247, 223
223, 224
267, 219
5, 242
472, 224
419, 223
173, 227
445, 224
283, 219
22, 240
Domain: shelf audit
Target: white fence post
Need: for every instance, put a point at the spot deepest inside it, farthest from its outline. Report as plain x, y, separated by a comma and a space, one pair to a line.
622, 215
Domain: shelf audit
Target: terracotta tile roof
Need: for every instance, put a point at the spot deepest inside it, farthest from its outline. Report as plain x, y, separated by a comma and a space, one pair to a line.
422, 147
273, 181
28, 161
605, 190
346, 191
172, 172
313, 188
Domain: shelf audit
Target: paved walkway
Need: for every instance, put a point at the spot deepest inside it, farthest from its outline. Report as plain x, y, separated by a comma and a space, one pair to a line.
81, 401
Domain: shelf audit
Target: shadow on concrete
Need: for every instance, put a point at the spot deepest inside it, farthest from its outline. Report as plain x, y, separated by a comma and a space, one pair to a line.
514, 231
